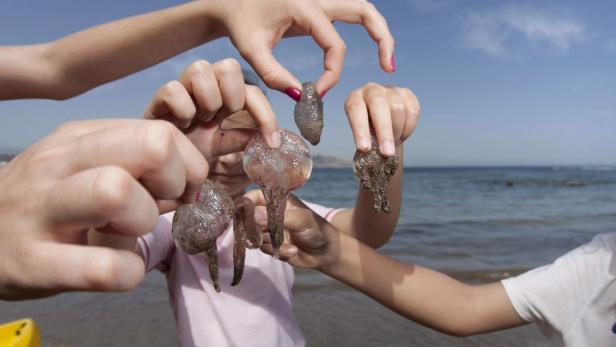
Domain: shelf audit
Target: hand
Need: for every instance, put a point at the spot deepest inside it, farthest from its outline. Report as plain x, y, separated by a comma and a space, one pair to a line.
310, 241
103, 174
391, 111
256, 26
203, 96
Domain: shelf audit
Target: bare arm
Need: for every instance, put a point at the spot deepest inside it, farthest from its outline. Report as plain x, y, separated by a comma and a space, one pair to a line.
391, 114
422, 295
366, 225
76, 63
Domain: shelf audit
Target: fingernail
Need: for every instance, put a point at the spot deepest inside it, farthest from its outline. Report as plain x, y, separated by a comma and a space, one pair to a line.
198, 195
364, 143
324, 92
392, 62
260, 216
276, 139
387, 148
292, 250
293, 93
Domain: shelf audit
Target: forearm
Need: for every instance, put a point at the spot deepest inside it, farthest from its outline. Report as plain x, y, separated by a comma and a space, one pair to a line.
419, 294
366, 225
84, 60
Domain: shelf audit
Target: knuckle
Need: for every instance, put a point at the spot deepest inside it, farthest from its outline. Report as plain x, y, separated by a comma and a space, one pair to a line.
228, 65
199, 66
102, 273
112, 189
157, 143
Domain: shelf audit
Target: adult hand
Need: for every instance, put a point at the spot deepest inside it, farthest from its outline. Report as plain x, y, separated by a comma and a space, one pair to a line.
256, 26
203, 96
102, 174
391, 111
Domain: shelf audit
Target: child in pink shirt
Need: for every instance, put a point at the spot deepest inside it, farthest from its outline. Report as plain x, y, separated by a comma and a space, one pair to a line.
259, 310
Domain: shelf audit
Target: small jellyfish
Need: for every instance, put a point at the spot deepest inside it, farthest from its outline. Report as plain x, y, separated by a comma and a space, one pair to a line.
374, 171
309, 114
277, 171
196, 226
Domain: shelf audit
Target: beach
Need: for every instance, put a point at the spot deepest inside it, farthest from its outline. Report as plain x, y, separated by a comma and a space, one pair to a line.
475, 224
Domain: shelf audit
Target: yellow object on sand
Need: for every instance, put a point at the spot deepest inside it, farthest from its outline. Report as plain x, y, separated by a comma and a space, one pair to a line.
20, 333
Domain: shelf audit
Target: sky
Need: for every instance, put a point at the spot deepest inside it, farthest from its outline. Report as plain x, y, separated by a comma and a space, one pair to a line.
499, 82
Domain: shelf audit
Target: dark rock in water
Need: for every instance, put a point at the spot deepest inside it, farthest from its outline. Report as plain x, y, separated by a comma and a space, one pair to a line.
509, 183
309, 114
374, 171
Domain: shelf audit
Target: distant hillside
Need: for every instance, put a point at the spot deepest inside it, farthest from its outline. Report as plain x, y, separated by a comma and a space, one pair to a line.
328, 162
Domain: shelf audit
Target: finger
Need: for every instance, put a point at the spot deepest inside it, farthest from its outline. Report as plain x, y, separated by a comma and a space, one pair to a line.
296, 220
91, 268
256, 195
334, 48
106, 196
227, 141
398, 113
228, 72
173, 103
260, 109
274, 75
200, 80
357, 113
413, 111
154, 151
365, 13
380, 118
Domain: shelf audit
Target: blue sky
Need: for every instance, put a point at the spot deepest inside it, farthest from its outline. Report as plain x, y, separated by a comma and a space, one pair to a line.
500, 83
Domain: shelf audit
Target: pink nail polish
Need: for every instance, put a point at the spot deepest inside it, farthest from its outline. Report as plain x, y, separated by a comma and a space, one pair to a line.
392, 62
293, 93
324, 92
198, 195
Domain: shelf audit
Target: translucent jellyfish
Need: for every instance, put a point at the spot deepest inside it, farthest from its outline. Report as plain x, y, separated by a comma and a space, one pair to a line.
277, 172
374, 171
309, 114
196, 227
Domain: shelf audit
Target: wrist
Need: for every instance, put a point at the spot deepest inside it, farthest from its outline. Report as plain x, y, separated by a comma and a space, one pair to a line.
212, 15
338, 253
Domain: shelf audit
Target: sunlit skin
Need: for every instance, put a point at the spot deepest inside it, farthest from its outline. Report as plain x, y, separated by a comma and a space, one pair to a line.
228, 169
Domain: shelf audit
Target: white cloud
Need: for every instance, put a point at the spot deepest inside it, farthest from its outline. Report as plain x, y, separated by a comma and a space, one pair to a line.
430, 5
514, 30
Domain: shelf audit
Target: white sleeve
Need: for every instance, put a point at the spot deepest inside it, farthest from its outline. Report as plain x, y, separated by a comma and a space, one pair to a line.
158, 246
557, 294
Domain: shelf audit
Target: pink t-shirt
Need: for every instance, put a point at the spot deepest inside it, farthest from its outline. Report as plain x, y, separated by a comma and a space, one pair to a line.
256, 312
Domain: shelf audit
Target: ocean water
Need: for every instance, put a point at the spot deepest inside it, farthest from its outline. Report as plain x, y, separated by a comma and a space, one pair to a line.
477, 224
466, 220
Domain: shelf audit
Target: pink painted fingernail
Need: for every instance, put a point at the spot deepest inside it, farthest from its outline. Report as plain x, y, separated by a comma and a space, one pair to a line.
293, 93
392, 62
324, 92
198, 195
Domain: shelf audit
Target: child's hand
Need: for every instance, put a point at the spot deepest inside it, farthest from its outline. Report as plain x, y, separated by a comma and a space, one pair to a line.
391, 111
203, 96
310, 241
256, 26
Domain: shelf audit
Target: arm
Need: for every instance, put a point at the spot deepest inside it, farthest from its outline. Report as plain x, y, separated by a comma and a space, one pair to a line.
79, 62
76, 63
393, 113
419, 294
422, 295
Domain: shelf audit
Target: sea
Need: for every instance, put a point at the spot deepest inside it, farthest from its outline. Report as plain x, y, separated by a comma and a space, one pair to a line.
478, 224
